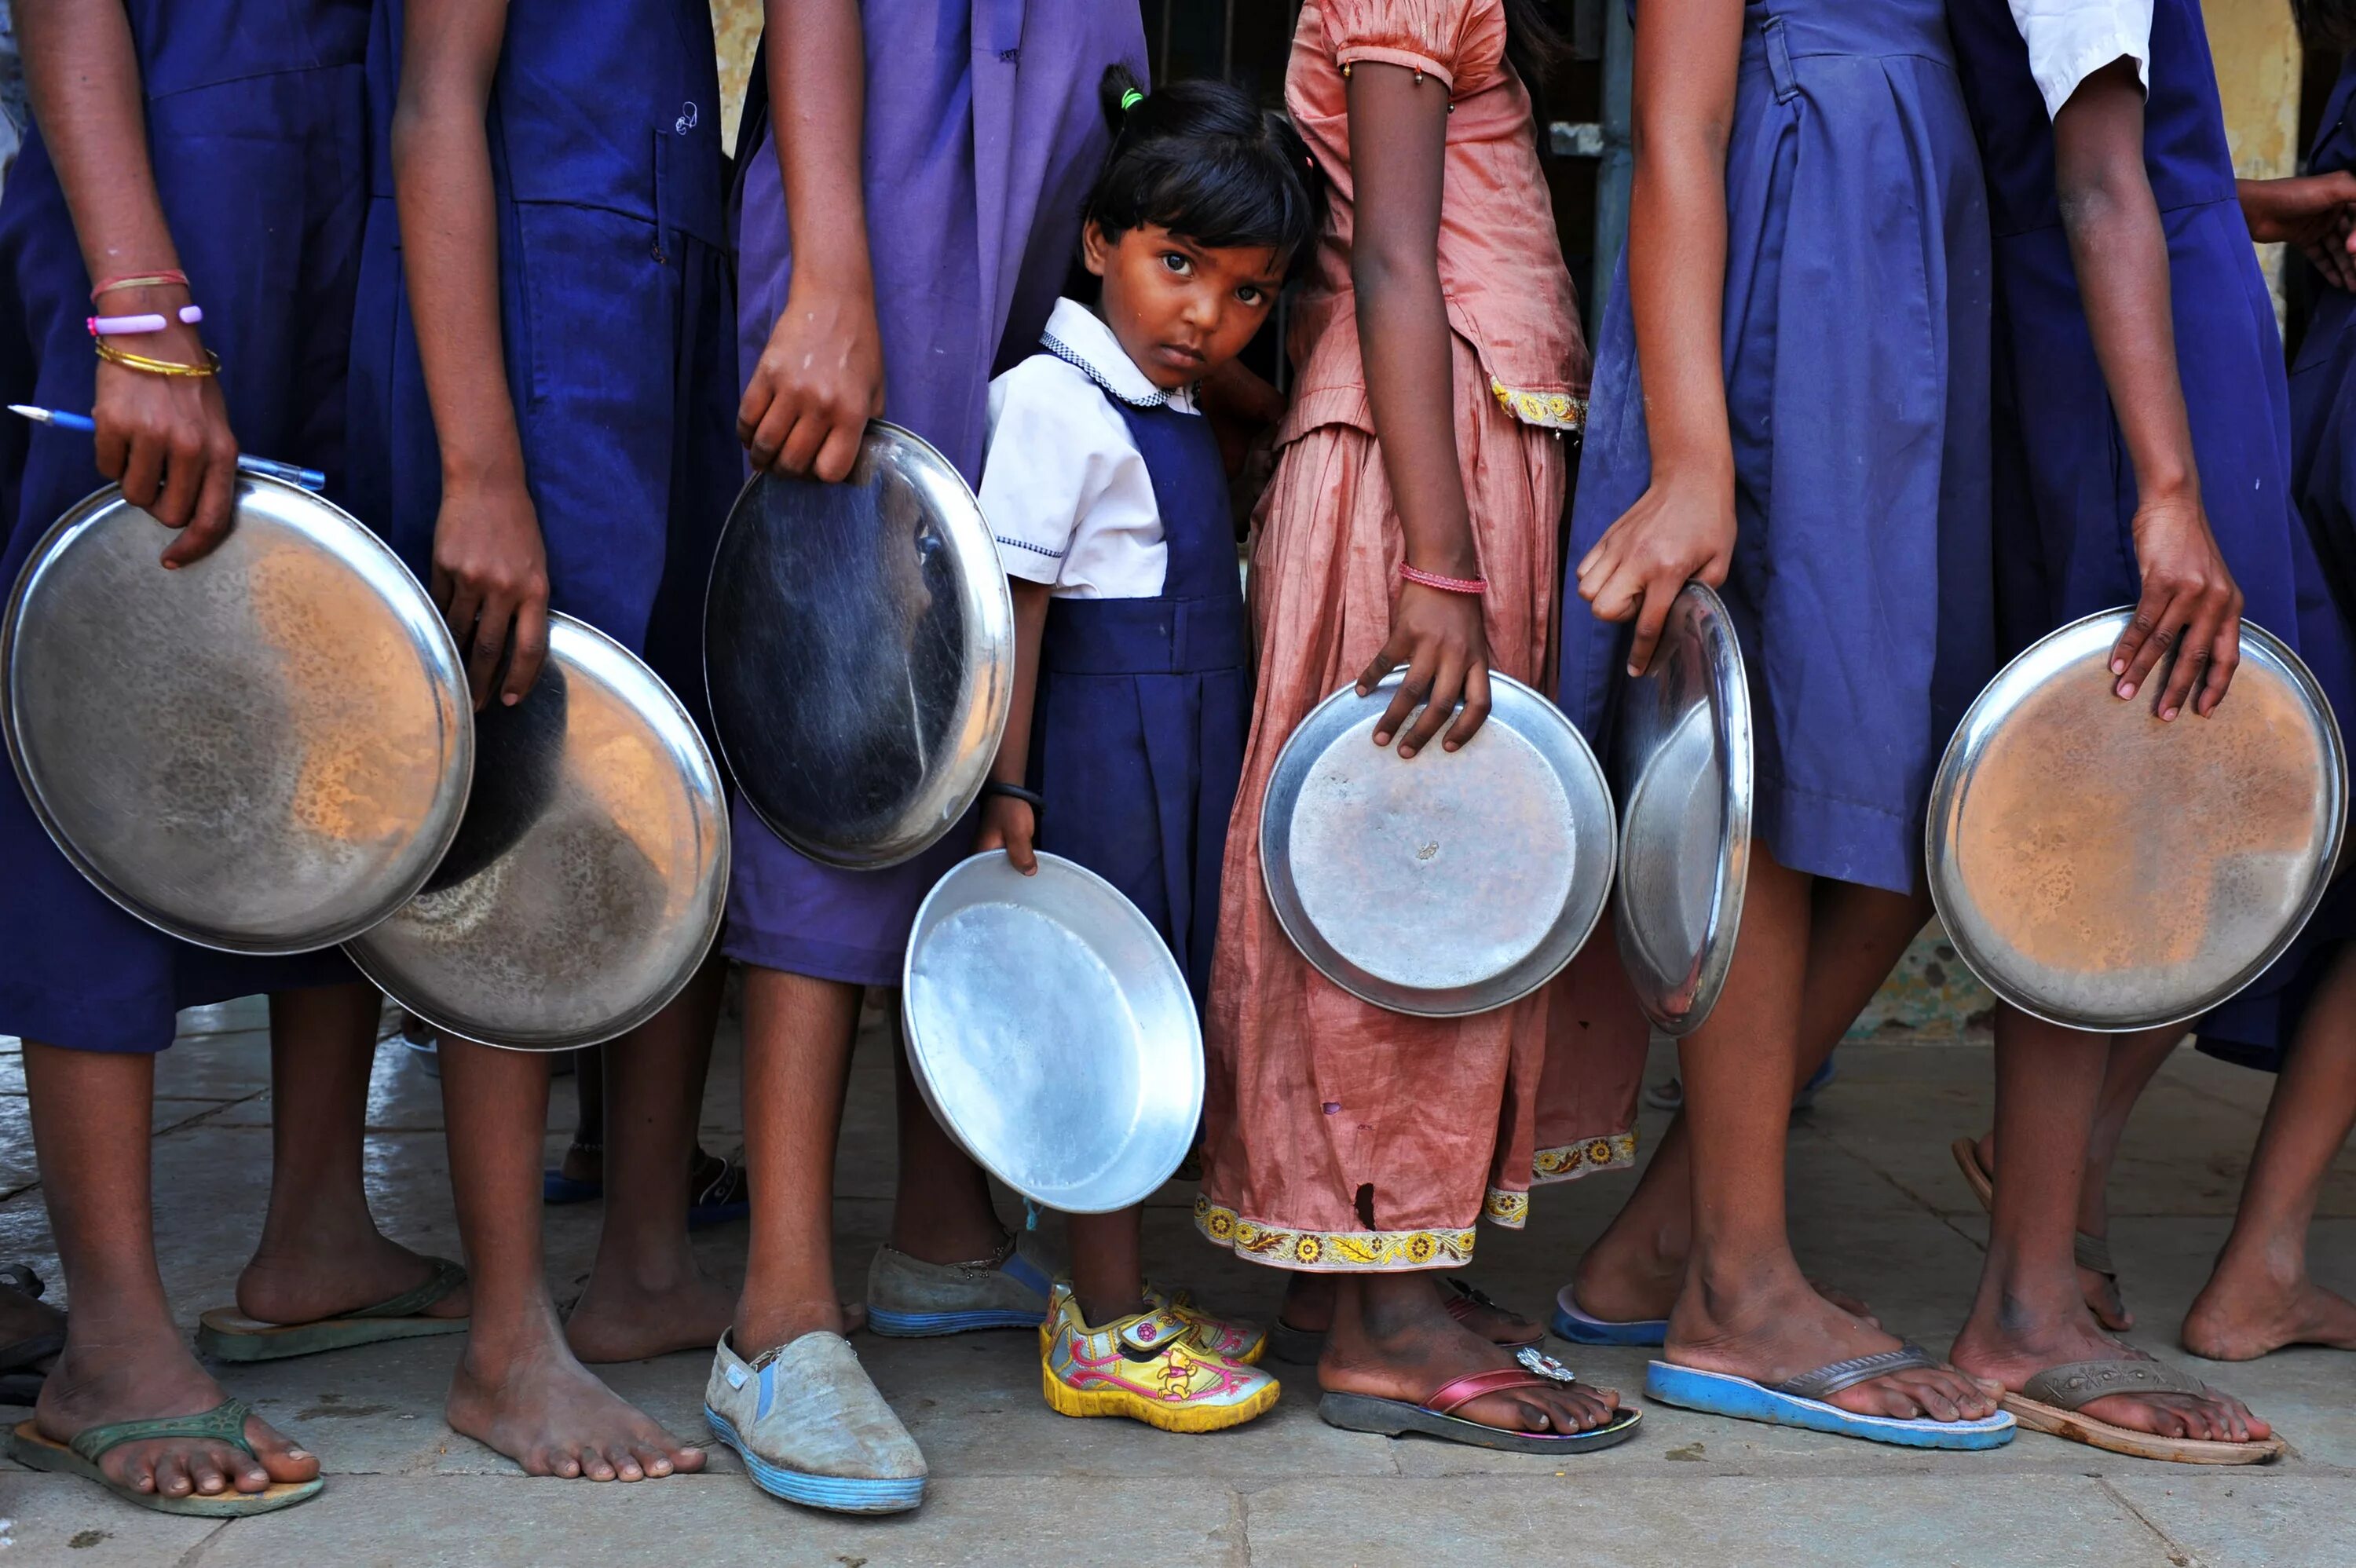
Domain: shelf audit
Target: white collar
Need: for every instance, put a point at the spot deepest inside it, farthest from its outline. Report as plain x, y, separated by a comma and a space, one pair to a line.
1079, 337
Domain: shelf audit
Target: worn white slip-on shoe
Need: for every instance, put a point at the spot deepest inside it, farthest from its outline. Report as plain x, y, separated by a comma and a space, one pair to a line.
908, 1298
812, 1429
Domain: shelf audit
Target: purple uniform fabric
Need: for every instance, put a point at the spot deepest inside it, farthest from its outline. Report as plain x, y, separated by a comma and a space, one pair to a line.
982, 137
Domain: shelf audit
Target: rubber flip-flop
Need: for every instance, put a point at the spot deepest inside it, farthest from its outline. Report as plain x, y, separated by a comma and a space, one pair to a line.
1299, 1347
2050, 1402
1575, 1324
558, 1190
1802, 1402
1436, 1417
227, 1334
225, 1421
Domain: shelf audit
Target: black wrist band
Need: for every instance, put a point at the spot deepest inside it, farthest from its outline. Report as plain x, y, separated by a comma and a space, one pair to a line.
1030, 797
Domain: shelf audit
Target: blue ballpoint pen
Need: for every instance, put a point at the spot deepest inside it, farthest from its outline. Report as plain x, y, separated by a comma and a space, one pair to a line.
309, 478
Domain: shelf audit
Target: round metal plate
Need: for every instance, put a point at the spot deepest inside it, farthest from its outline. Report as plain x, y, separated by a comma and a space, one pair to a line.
859, 646
589, 878
265, 752
2102, 870
1052, 1033
1450, 884
1681, 762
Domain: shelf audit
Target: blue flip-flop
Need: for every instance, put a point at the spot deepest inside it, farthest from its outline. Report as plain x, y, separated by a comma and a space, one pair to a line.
1801, 1402
1580, 1327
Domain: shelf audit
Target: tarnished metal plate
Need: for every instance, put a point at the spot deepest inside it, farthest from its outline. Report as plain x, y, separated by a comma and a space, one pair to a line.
2100, 868
859, 646
1681, 764
1447, 884
589, 878
1052, 1032
264, 751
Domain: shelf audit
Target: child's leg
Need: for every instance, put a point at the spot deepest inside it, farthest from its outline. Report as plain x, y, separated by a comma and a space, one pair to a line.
944, 1214
2261, 1297
1108, 1277
124, 1359
320, 1251
797, 1034
517, 1387
646, 1296
584, 1159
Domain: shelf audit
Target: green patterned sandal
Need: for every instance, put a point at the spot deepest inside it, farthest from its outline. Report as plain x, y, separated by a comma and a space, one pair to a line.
227, 1334
224, 1423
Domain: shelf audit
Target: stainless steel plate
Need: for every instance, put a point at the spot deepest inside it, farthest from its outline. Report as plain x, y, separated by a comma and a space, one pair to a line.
265, 752
859, 646
1052, 1033
1681, 763
2099, 869
588, 880
1450, 884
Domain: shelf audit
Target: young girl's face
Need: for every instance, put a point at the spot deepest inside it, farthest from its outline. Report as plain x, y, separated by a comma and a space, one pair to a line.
1181, 309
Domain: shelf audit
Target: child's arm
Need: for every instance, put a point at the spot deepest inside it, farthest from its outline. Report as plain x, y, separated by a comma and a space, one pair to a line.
2120, 252
1398, 127
166, 438
490, 566
2311, 211
1007, 823
1687, 55
820, 379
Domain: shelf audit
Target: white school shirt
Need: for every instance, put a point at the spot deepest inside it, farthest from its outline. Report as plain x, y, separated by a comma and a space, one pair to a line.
2070, 41
1064, 488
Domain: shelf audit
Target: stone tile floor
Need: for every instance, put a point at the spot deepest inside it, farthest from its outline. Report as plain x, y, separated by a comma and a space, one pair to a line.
1877, 1208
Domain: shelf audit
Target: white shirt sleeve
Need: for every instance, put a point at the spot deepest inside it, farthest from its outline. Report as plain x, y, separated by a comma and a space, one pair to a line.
2070, 41
1041, 476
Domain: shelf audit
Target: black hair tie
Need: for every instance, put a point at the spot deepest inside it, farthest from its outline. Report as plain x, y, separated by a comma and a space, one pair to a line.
1030, 797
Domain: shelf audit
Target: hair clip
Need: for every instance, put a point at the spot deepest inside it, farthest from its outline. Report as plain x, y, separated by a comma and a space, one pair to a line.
1131, 98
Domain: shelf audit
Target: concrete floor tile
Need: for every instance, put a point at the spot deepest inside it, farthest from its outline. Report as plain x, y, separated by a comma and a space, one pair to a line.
49, 1522
2244, 1518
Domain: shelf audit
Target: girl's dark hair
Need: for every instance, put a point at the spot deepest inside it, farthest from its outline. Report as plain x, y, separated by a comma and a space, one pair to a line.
1201, 159
1536, 42
2326, 24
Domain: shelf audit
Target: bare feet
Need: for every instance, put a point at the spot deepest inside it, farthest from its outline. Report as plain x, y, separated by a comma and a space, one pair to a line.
2243, 1315
549, 1414
626, 1320
1309, 1307
1776, 1326
336, 1273
1392, 1338
134, 1381
2021, 1343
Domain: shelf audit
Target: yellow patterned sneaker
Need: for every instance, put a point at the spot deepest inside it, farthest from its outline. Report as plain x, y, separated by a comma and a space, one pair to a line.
1237, 1340
1143, 1367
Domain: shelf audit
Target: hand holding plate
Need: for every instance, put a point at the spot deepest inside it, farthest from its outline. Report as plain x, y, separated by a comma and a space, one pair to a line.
2190, 602
1010, 825
818, 381
1680, 528
1439, 636
491, 576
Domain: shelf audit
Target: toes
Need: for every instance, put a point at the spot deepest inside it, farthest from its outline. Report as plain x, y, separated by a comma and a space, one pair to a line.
275, 1458
592, 1463
686, 1458
624, 1464
651, 1460
172, 1477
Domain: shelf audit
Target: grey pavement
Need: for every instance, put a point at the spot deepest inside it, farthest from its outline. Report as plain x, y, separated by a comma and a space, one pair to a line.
1879, 1209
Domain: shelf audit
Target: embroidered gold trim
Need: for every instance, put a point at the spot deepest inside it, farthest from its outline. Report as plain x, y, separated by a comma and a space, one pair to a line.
1332, 1251
1568, 1162
1509, 1210
1553, 411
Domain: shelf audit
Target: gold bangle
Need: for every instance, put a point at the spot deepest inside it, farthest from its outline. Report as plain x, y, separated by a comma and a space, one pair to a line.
130, 361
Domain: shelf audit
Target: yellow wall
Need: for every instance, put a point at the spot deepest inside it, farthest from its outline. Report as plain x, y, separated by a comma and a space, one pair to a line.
2257, 55
737, 24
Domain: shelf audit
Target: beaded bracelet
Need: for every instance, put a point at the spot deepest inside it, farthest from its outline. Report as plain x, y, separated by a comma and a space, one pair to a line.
169, 277
130, 361
1445, 584
127, 325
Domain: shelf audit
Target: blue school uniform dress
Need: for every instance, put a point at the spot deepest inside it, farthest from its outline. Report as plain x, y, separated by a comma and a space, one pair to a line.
257, 130
2065, 492
616, 314
1856, 363
1113, 491
983, 135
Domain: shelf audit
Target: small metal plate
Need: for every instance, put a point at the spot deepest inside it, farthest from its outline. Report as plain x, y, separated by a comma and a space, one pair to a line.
589, 878
2102, 870
1052, 1033
1681, 762
858, 647
1450, 884
265, 752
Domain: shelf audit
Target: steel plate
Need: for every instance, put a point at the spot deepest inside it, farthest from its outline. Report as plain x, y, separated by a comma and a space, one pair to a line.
1681, 761
2102, 870
1450, 884
589, 878
265, 752
1052, 1033
858, 647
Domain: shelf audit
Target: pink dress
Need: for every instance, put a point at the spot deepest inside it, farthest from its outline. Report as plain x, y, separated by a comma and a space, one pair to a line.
1340, 1136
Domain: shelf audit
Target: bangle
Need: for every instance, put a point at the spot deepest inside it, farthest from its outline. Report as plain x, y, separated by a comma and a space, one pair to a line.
124, 326
1030, 797
168, 277
130, 361
1445, 584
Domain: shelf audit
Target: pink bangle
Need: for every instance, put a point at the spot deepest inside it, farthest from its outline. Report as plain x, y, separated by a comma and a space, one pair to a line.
126, 325
169, 277
1445, 584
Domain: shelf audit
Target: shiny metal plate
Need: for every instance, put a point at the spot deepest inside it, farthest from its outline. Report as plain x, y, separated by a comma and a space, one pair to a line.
858, 647
589, 878
265, 752
1681, 763
1052, 1033
2100, 868
1449, 884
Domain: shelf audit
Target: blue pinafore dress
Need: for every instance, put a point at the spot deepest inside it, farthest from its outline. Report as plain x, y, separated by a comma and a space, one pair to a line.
257, 130
617, 315
2065, 491
1144, 705
1855, 362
